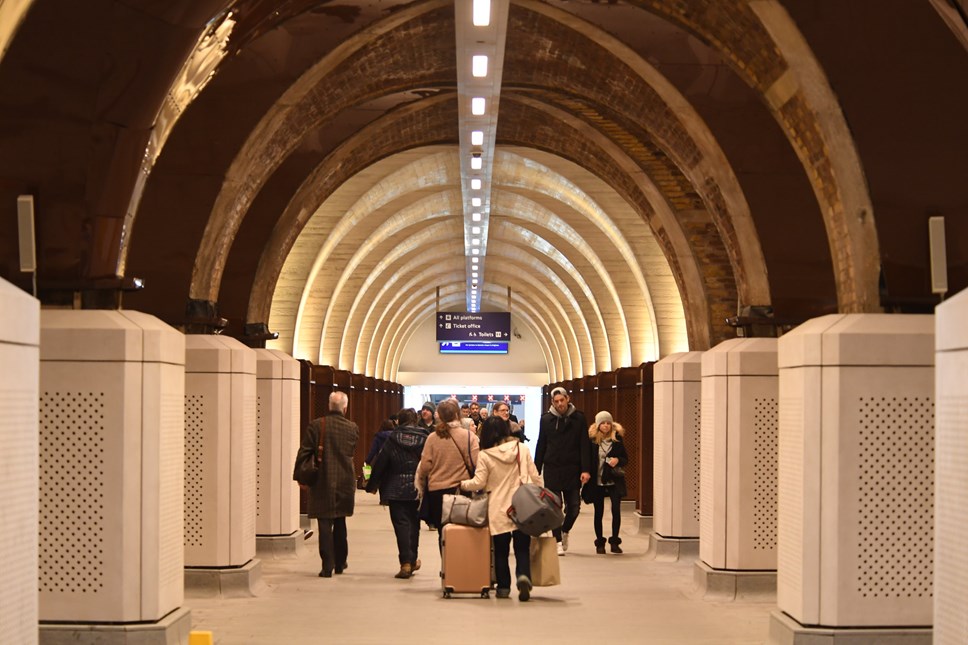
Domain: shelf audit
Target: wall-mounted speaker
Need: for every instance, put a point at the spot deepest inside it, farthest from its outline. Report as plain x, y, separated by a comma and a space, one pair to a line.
25, 228
939, 256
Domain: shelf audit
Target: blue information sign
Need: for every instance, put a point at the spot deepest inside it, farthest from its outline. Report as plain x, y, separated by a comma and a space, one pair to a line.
473, 347
487, 325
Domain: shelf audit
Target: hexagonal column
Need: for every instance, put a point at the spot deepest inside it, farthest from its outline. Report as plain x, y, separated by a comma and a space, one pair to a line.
220, 467
20, 357
678, 397
737, 514
111, 477
856, 480
277, 441
951, 473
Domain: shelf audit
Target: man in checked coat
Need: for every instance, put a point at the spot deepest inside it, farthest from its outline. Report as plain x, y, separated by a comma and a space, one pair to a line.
332, 498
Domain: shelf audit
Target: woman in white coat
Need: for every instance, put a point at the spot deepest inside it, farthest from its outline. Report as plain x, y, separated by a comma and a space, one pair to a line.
501, 466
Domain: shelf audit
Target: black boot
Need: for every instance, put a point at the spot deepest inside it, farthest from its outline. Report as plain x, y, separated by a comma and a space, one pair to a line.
600, 546
614, 541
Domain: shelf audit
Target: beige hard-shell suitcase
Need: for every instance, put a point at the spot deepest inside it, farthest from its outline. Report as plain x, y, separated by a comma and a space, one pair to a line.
465, 560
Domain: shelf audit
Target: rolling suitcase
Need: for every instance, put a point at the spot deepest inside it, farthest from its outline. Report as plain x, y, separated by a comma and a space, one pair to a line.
465, 560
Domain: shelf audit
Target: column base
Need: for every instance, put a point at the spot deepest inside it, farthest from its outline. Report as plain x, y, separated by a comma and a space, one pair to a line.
728, 585
279, 546
172, 629
229, 582
667, 549
784, 630
644, 523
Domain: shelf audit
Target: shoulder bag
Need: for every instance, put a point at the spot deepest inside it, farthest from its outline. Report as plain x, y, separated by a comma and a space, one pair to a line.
306, 471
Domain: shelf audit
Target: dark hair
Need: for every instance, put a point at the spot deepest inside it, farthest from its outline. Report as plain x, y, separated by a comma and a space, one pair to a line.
407, 417
387, 424
494, 430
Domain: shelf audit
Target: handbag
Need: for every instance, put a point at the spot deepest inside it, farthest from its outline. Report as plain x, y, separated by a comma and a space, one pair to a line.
545, 571
463, 510
306, 470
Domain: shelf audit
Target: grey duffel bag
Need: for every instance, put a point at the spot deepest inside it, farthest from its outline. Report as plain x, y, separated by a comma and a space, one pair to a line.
535, 510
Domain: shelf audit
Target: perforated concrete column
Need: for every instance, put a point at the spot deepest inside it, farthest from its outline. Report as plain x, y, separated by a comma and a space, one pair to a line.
220, 446
19, 376
857, 473
277, 432
111, 468
951, 474
678, 394
737, 506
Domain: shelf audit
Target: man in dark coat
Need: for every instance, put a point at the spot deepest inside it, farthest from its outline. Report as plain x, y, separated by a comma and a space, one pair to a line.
332, 498
563, 457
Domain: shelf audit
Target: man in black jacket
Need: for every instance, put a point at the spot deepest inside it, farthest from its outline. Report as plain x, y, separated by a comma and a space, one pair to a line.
563, 457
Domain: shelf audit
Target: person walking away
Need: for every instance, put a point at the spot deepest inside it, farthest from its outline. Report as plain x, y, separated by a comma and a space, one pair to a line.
378, 439
332, 498
448, 457
392, 474
499, 472
608, 453
563, 456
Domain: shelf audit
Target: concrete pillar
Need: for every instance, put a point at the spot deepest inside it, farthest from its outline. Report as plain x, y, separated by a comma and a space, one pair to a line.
678, 394
277, 441
220, 467
856, 480
737, 515
111, 473
951, 474
19, 380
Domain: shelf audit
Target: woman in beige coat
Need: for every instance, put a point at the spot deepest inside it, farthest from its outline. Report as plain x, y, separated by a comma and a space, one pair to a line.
501, 466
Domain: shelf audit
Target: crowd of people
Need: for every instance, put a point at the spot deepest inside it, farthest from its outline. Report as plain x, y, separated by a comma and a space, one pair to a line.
418, 457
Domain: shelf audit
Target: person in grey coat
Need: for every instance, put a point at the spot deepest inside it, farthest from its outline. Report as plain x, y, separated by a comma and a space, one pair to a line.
332, 498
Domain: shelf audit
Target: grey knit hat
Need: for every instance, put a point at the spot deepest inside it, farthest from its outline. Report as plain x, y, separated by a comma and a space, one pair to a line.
603, 417
428, 406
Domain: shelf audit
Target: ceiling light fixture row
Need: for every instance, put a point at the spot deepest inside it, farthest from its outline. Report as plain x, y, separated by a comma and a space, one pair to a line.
480, 33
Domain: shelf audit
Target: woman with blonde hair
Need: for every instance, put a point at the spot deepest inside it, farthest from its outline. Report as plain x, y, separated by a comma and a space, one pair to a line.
448, 457
610, 457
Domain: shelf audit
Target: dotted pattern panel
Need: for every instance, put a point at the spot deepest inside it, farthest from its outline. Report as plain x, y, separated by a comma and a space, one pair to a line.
260, 429
790, 550
71, 558
248, 462
194, 469
896, 497
660, 434
696, 456
171, 553
764, 473
707, 490
627, 409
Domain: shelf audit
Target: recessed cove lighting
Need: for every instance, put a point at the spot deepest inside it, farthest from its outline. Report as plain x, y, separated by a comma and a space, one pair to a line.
475, 184
481, 13
475, 201
479, 66
475, 230
478, 106
474, 260
476, 217
476, 241
473, 274
477, 137
475, 251
476, 162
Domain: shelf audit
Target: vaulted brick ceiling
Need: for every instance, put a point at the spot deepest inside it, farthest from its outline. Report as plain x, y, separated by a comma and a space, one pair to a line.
293, 167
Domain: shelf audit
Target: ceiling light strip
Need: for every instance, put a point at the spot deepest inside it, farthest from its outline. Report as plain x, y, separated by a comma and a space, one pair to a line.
481, 28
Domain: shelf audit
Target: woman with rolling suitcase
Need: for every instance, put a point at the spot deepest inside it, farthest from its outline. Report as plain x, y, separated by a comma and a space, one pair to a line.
500, 466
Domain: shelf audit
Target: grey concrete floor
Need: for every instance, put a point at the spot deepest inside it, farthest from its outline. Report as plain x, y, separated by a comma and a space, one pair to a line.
603, 599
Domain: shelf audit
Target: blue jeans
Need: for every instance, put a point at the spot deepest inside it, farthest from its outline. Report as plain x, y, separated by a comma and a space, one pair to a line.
522, 557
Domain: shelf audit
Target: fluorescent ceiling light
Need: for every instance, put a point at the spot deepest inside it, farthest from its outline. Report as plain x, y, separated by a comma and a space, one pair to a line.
476, 241
476, 162
477, 138
476, 217
475, 230
475, 184
473, 274
479, 66
476, 251
478, 106
476, 201
482, 13
474, 260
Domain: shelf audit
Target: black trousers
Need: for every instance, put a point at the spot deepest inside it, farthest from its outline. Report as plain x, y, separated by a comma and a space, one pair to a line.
333, 548
572, 501
522, 557
608, 492
406, 526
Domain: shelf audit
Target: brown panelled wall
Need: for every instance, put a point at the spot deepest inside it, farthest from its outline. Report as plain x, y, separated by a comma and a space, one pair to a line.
627, 394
